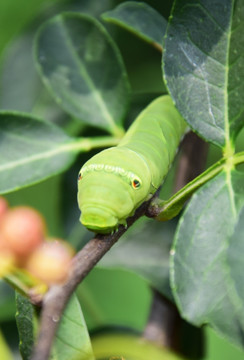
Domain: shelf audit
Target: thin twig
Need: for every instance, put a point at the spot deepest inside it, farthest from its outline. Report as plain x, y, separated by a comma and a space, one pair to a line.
57, 297
192, 160
162, 323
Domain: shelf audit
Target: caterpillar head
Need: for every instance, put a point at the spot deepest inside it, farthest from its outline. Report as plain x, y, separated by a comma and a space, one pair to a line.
110, 189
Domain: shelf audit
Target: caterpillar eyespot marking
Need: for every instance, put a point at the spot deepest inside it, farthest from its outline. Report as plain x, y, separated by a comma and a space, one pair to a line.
136, 183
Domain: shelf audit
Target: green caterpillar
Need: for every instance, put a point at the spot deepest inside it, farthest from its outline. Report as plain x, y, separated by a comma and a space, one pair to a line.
114, 182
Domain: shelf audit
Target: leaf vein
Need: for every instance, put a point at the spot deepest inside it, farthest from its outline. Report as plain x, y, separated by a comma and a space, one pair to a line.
88, 79
72, 320
206, 12
60, 338
208, 56
46, 154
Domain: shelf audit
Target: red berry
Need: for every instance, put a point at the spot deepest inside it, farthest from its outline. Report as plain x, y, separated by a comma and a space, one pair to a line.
24, 230
3, 243
3, 207
50, 262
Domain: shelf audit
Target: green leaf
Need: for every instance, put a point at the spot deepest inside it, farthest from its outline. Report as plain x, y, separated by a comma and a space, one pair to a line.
144, 249
168, 209
201, 268
5, 353
83, 69
72, 340
7, 302
204, 67
27, 324
19, 92
31, 150
129, 346
141, 19
235, 258
124, 299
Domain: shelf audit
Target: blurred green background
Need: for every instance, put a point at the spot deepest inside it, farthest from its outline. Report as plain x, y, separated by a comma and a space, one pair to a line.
108, 296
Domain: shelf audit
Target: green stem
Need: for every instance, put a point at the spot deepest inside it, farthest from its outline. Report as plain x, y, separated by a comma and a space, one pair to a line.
23, 282
166, 210
87, 144
117, 131
238, 158
17, 284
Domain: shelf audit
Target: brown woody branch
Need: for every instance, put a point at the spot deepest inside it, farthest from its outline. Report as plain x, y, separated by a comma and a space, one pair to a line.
163, 323
57, 297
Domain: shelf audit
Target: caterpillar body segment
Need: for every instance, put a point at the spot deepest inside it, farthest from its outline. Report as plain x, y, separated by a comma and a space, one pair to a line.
116, 181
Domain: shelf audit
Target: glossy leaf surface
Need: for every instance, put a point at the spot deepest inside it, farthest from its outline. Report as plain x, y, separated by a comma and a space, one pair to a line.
72, 340
204, 66
141, 19
204, 268
82, 67
31, 150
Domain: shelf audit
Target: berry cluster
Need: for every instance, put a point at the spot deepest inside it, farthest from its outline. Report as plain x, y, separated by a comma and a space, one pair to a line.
25, 248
